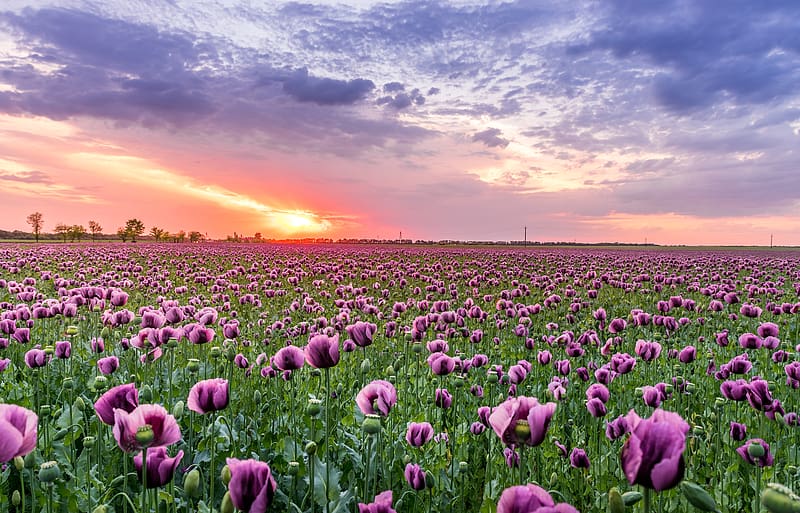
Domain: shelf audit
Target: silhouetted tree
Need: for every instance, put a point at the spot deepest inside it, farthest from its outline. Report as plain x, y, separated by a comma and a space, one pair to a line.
36, 220
158, 233
122, 233
95, 229
195, 236
76, 232
135, 228
62, 230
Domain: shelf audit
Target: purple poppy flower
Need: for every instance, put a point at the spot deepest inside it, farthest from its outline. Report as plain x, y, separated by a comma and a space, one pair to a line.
63, 349
252, 486
767, 329
616, 325
562, 367
126, 425
36, 358
108, 365
578, 458
125, 397
738, 431
97, 345
517, 374
362, 333
622, 363
442, 398
289, 358
530, 499
543, 357
647, 350
198, 333
377, 398
653, 454
596, 407
4, 363
208, 396
792, 371
758, 455
160, 467
441, 364
749, 341
599, 391
415, 476
419, 433
322, 351
381, 504
18, 430
652, 396
522, 420
688, 354
476, 428
511, 456
22, 335
734, 390
617, 427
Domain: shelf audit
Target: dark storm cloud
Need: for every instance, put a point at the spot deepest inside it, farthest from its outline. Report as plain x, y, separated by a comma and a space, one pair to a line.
491, 137
712, 52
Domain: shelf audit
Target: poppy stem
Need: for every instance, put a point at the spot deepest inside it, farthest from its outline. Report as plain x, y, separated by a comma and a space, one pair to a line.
646, 501
144, 480
327, 439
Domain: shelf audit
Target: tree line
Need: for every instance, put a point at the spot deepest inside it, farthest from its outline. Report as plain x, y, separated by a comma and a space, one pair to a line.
132, 230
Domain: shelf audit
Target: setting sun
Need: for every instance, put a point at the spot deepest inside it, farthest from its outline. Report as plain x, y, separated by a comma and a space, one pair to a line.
298, 221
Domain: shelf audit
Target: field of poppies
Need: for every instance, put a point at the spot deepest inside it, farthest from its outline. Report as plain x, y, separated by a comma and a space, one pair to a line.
376, 379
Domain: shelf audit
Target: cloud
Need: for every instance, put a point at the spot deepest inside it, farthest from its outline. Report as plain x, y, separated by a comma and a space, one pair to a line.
491, 137
326, 91
30, 177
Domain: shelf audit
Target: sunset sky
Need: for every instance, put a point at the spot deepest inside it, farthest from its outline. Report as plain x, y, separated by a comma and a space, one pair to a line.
675, 122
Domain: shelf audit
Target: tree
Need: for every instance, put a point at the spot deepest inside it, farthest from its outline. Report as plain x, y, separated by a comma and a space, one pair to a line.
95, 229
180, 236
76, 232
258, 237
158, 233
122, 233
62, 230
36, 220
195, 237
135, 228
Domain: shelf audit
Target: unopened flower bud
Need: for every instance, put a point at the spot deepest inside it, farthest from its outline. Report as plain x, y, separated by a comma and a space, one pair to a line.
67, 384
314, 407
366, 366
178, 409
215, 352
100, 383
191, 483
227, 504
615, 502
463, 466
49, 350
417, 347
780, 499
491, 377
146, 394
311, 448
15, 498
100, 509
19, 463
225, 475
698, 497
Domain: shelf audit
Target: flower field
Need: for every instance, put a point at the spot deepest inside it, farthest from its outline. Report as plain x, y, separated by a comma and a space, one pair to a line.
376, 379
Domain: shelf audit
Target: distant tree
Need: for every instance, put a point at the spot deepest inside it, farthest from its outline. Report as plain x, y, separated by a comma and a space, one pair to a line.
95, 229
180, 236
257, 237
195, 236
76, 232
62, 230
135, 228
36, 220
158, 233
122, 233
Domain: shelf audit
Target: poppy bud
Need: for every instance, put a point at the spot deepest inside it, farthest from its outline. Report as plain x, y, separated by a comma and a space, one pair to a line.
406, 459
459, 382
417, 347
191, 483
100, 383
225, 475
44, 411
698, 497
631, 498
145, 394
215, 352
72, 331
105, 332
15, 498
429, 479
257, 396
463, 466
178, 409
491, 377
615, 502
30, 459
100, 509
227, 504
316, 372
366, 366
19, 463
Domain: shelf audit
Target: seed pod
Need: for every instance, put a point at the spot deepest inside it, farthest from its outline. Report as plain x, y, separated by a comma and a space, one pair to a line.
60, 434
698, 497
780, 499
49, 472
371, 424
311, 448
100, 509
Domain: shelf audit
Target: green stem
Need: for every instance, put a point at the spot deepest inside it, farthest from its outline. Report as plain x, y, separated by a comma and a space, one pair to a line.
646, 501
212, 471
144, 480
327, 439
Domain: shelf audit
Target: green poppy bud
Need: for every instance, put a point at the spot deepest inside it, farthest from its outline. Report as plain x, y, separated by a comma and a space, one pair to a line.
191, 483
257, 396
100, 509
615, 502
227, 504
780, 499
366, 366
49, 472
30, 460
406, 459
631, 498
178, 409
316, 372
44, 410
690, 387
225, 475
392, 379
429, 479
417, 347
100, 383
459, 382
105, 332
491, 376
145, 394
72, 331
371, 424
463, 466
19, 463
15, 498
698, 497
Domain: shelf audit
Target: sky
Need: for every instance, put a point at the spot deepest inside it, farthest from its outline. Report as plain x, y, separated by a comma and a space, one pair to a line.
671, 122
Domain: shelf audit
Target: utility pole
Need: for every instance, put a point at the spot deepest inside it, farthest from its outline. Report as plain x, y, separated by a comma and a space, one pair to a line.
770, 240
525, 240
401, 235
